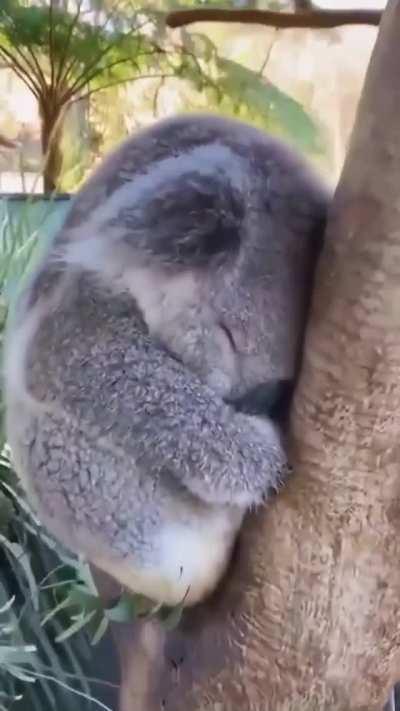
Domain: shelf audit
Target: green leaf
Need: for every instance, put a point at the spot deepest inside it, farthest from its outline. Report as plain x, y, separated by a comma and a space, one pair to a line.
247, 93
10, 654
100, 631
84, 599
81, 622
7, 605
20, 674
23, 558
61, 606
171, 618
124, 611
6, 512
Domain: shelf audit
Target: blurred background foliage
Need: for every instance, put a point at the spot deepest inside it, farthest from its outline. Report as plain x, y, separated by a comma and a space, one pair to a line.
89, 52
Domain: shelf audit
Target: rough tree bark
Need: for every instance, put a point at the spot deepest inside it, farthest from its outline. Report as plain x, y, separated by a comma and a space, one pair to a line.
308, 618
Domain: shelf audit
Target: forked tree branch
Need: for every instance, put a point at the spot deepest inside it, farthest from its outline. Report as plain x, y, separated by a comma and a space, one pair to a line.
312, 19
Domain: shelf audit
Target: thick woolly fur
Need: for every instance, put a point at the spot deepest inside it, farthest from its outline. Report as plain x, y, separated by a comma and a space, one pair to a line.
178, 283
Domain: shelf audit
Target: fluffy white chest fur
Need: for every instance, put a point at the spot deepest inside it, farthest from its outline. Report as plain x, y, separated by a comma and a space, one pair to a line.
190, 561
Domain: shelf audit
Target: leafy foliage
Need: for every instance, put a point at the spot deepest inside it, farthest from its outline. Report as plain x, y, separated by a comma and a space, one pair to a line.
75, 52
30, 664
257, 100
64, 54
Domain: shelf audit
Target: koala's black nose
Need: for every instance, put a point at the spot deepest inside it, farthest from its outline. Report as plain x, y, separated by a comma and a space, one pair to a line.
270, 399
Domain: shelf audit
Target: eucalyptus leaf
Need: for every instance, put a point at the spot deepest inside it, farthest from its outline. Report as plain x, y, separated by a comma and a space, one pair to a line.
84, 599
100, 631
124, 611
81, 622
6, 512
61, 606
23, 558
10, 654
20, 674
171, 618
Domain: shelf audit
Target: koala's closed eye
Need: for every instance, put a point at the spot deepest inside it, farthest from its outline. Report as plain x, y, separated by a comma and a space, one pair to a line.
209, 223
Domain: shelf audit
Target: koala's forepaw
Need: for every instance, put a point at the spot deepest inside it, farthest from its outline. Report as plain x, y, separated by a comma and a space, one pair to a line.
275, 468
282, 475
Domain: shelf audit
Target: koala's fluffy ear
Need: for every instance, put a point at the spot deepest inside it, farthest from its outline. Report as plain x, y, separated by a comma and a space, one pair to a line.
188, 220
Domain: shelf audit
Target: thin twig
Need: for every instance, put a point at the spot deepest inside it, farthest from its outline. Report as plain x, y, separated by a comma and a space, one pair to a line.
30, 68
51, 44
156, 95
64, 56
20, 71
267, 58
39, 72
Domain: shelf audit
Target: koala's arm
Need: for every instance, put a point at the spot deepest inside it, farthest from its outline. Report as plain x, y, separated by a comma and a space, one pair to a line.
141, 402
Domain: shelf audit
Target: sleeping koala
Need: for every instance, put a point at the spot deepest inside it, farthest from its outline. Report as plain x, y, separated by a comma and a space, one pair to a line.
144, 350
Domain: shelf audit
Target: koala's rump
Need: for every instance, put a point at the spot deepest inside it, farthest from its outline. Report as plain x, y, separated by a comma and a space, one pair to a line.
148, 532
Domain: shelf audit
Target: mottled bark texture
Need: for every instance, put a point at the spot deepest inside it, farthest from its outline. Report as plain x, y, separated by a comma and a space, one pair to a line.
309, 617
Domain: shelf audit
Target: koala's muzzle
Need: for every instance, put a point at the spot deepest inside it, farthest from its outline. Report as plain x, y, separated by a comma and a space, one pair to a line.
270, 399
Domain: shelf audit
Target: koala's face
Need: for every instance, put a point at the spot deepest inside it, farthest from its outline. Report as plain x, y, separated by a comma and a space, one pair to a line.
215, 229
236, 318
229, 285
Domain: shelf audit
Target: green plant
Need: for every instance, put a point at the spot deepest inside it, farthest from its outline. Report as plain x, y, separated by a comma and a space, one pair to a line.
31, 664
64, 54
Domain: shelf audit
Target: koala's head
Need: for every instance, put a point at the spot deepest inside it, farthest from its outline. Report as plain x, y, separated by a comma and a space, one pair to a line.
214, 228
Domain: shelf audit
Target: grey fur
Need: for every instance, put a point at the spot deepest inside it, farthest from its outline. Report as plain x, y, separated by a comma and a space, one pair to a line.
179, 283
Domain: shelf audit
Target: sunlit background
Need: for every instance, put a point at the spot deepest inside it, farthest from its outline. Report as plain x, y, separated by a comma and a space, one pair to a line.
322, 70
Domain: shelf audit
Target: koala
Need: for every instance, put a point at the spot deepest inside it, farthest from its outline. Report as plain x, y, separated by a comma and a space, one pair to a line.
150, 344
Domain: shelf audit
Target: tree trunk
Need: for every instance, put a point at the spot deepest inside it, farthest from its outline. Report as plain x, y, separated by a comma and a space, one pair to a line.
50, 110
309, 616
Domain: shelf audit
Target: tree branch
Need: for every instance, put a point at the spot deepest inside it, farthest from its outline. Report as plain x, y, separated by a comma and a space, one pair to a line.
30, 69
51, 43
7, 142
63, 60
20, 71
312, 19
39, 72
